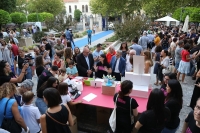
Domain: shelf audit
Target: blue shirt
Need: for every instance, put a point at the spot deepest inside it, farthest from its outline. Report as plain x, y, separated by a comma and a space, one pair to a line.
96, 54
89, 32
72, 70
137, 48
68, 34
9, 113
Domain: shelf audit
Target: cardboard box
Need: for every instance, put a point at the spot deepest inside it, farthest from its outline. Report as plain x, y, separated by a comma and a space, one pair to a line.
141, 84
74, 127
103, 115
108, 90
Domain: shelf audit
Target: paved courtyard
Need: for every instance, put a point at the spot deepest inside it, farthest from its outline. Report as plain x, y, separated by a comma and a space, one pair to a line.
187, 88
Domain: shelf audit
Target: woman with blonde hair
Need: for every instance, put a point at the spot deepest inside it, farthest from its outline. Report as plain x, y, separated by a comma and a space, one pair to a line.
11, 108
147, 61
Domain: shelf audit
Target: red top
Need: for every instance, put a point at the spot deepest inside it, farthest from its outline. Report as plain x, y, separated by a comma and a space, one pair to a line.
15, 49
57, 64
184, 54
109, 56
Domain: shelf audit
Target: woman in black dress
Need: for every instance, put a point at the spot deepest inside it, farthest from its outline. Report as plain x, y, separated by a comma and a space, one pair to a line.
102, 67
196, 92
124, 49
57, 116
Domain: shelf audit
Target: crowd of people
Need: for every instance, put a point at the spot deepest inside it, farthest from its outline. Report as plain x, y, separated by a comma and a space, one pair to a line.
171, 52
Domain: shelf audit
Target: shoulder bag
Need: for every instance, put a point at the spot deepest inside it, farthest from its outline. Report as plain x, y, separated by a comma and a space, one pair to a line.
64, 124
132, 117
112, 119
10, 124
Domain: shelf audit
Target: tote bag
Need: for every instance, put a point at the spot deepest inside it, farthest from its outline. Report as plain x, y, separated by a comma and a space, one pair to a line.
112, 119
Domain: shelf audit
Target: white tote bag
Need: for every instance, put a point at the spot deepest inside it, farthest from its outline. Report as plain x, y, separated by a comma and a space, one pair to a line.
112, 119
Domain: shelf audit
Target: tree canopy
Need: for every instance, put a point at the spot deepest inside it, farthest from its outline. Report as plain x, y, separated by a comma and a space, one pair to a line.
77, 15
114, 7
18, 17
51, 6
160, 8
8, 5
35, 17
21, 6
193, 12
4, 17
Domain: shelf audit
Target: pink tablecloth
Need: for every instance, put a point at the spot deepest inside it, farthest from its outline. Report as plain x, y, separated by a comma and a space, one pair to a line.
107, 101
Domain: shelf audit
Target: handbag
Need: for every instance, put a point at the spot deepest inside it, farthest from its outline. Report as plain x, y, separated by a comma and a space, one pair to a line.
112, 119
132, 117
10, 124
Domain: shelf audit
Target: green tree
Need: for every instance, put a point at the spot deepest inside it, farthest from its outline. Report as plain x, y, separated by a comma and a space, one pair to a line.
193, 12
48, 18
4, 17
130, 28
77, 15
159, 8
113, 7
8, 5
50, 6
35, 17
18, 18
21, 6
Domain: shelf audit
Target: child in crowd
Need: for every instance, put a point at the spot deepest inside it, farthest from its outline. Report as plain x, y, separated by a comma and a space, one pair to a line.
63, 90
30, 113
63, 75
72, 70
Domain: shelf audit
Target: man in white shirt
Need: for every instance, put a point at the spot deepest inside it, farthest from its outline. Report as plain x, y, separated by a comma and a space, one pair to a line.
129, 60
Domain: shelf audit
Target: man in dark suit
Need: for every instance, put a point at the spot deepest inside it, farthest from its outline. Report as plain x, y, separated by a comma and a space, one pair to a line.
85, 63
118, 65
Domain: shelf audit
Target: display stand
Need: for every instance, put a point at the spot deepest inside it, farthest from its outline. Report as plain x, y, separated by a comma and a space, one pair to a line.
140, 80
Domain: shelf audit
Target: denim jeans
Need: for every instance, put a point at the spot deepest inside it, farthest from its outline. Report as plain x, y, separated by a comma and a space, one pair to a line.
42, 106
89, 39
28, 73
166, 130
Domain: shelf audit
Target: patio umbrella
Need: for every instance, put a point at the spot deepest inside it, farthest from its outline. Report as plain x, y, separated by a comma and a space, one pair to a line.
185, 26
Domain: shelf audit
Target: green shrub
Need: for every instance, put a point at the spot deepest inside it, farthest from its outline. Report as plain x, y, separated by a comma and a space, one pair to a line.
112, 39
38, 35
84, 33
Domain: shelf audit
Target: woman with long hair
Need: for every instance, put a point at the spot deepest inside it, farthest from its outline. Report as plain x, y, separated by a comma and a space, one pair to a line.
156, 57
148, 61
76, 52
153, 120
39, 64
102, 67
6, 74
124, 49
64, 40
56, 111
174, 102
51, 82
125, 106
5, 53
68, 56
129, 60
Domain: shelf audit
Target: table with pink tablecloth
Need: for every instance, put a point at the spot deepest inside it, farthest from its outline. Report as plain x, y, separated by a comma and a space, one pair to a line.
105, 100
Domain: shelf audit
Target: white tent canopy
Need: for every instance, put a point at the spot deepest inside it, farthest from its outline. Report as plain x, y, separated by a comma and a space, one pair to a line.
167, 18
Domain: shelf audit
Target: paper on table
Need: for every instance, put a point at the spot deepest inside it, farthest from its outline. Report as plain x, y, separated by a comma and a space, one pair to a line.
89, 97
